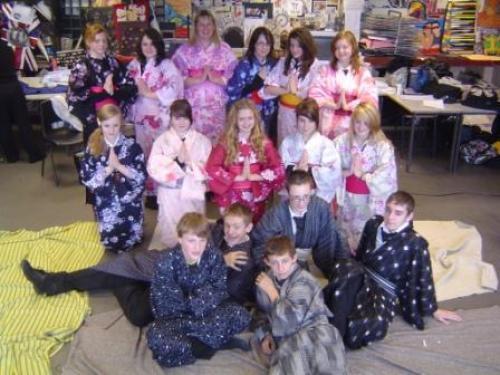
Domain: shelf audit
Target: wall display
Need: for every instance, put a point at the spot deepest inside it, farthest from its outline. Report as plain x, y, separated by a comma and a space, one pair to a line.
130, 21
69, 57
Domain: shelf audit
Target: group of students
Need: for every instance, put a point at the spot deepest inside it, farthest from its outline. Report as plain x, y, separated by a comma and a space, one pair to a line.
339, 170
192, 296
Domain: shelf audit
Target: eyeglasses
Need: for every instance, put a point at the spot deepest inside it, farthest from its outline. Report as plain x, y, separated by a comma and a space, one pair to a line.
300, 198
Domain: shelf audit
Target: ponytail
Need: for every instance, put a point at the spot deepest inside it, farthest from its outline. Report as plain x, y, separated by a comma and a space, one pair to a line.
96, 143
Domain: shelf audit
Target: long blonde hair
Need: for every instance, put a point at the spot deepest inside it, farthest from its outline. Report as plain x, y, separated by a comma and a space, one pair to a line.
369, 114
349, 37
215, 36
96, 144
230, 137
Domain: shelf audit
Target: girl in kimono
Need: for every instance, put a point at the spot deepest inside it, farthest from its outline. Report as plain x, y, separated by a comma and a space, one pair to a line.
206, 64
244, 167
250, 73
159, 83
177, 164
113, 169
391, 272
97, 79
312, 152
290, 79
192, 315
297, 337
368, 169
342, 85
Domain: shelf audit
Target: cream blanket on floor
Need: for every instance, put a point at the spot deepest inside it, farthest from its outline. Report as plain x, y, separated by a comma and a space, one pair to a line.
456, 251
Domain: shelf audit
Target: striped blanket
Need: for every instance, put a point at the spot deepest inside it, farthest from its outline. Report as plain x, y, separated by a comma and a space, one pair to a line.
33, 328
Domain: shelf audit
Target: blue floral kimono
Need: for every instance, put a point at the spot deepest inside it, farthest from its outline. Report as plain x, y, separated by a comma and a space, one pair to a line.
118, 200
246, 82
190, 301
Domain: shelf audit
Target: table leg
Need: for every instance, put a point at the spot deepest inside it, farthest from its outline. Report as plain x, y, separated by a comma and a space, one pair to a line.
455, 146
409, 160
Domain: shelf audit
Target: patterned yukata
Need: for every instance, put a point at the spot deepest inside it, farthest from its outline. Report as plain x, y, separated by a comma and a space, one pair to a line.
190, 301
85, 89
298, 321
391, 272
358, 87
378, 163
246, 83
314, 234
252, 194
287, 118
207, 99
118, 199
181, 187
324, 161
240, 284
151, 117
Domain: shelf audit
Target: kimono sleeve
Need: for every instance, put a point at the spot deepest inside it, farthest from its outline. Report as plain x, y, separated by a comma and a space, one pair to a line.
167, 297
125, 88
367, 91
173, 87
288, 311
134, 186
273, 79
220, 179
417, 298
382, 181
273, 171
328, 175
93, 173
286, 145
179, 59
238, 81
78, 86
268, 226
161, 164
230, 61
206, 298
321, 89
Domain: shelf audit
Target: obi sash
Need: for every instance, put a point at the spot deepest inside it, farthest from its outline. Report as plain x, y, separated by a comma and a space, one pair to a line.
381, 281
356, 185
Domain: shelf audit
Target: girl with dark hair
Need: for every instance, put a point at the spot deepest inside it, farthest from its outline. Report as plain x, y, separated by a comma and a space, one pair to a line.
159, 83
290, 79
177, 164
206, 64
341, 85
250, 73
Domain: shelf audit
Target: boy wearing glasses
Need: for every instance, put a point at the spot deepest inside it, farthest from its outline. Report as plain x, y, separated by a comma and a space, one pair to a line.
307, 221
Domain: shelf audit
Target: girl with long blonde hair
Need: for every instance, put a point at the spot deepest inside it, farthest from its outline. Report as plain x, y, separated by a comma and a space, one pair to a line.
244, 166
113, 170
369, 171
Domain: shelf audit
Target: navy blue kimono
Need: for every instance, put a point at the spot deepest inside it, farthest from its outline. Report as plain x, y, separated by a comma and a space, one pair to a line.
245, 83
118, 199
383, 275
190, 301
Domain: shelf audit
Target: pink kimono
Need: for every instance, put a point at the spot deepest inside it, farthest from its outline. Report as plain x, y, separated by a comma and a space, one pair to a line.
359, 200
207, 98
152, 116
252, 194
287, 118
358, 87
181, 188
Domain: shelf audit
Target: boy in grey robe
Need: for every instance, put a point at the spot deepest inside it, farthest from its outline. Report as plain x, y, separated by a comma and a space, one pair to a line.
297, 337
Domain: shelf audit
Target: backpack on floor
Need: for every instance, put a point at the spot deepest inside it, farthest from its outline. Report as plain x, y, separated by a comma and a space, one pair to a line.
477, 152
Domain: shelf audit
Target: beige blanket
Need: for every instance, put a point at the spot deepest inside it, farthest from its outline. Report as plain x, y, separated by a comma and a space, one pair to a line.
457, 266
108, 344
456, 251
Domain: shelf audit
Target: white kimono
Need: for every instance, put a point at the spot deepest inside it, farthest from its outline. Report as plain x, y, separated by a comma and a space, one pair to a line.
324, 161
180, 189
287, 118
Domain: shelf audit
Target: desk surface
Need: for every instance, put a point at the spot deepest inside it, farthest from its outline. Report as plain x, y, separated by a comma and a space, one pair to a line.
416, 107
379, 62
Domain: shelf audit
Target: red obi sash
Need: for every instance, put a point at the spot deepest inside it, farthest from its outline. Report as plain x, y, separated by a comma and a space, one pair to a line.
356, 185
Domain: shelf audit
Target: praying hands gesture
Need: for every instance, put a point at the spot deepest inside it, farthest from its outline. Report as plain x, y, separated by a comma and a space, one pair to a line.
246, 174
446, 316
115, 165
108, 85
265, 283
357, 166
293, 82
234, 259
263, 70
143, 89
303, 163
183, 156
216, 77
342, 101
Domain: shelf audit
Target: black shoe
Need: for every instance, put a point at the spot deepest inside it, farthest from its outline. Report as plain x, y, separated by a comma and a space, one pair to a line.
40, 279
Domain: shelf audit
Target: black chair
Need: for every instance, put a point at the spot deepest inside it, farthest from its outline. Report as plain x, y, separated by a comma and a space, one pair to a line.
57, 134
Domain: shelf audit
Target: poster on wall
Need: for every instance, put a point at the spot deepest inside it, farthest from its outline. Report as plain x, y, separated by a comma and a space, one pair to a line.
130, 21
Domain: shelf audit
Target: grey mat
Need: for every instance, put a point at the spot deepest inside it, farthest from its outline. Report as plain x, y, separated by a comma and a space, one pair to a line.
108, 344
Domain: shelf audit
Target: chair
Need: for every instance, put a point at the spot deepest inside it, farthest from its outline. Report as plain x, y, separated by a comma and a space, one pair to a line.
56, 134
